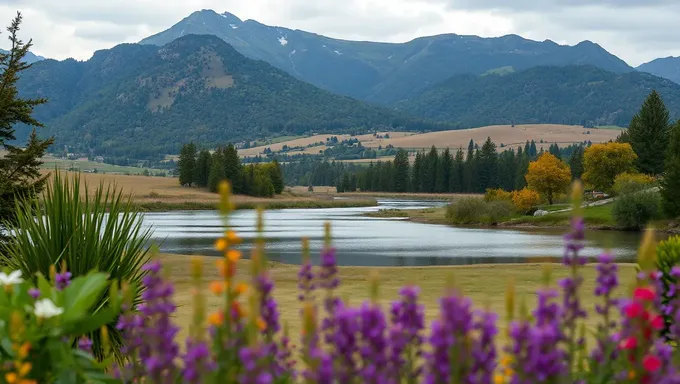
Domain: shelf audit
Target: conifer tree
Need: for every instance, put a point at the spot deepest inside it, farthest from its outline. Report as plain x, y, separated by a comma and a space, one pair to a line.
20, 175
469, 171
649, 135
232, 168
401, 171
276, 177
576, 162
670, 183
554, 150
217, 170
186, 165
417, 173
456, 180
430, 170
488, 165
444, 173
521, 168
202, 171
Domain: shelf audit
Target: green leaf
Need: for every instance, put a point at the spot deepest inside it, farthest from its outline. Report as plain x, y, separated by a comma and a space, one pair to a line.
92, 322
82, 294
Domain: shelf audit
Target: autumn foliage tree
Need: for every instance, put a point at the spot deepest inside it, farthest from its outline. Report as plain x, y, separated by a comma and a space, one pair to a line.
548, 176
603, 162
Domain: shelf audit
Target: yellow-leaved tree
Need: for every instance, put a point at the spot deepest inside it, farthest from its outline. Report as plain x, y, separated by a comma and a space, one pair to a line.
548, 176
603, 162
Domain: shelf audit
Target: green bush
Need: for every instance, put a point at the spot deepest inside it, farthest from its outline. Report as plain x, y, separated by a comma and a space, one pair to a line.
86, 232
635, 210
472, 210
667, 257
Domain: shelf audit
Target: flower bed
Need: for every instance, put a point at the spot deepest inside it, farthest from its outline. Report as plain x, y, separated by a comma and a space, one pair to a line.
43, 324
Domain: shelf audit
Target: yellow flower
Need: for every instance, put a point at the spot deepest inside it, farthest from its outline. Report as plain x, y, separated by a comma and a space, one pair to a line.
221, 267
216, 318
11, 377
25, 369
217, 287
506, 361
498, 379
241, 288
24, 349
232, 237
261, 324
221, 244
233, 255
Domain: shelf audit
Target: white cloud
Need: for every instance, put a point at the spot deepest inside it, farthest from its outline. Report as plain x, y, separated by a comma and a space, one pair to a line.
635, 30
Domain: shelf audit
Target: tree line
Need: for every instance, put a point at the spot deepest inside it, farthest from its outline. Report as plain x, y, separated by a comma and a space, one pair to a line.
206, 170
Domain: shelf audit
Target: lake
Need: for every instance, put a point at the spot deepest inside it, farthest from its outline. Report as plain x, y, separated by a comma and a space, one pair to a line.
366, 241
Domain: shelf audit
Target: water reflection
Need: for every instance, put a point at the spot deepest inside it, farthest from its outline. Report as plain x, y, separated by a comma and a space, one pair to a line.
369, 241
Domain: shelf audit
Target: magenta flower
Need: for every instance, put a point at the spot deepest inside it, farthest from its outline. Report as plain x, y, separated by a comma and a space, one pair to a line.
197, 362
62, 280
405, 335
373, 346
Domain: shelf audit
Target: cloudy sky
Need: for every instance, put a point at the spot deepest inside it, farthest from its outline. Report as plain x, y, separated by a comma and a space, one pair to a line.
635, 30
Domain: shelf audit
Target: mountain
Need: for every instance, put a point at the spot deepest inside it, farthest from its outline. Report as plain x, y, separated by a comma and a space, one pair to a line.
382, 72
668, 67
143, 101
565, 95
29, 58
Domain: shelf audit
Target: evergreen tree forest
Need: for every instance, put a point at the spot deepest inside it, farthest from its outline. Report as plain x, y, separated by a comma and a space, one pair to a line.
205, 170
434, 171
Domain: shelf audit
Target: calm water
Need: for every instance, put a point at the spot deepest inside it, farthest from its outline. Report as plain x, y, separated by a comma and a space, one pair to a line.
375, 241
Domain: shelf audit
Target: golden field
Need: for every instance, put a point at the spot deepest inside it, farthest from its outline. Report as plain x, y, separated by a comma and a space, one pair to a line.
484, 284
454, 139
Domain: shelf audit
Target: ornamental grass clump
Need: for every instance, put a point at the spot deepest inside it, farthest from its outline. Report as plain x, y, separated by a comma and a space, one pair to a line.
245, 342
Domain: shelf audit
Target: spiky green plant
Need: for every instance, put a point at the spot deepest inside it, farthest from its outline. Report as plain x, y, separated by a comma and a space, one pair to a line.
69, 226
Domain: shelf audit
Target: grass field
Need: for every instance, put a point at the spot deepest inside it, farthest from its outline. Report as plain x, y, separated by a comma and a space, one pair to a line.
51, 163
485, 284
505, 134
165, 193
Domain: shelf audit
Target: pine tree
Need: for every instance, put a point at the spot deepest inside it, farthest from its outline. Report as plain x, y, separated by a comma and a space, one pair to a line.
555, 150
533, 152
186, 165
444, 173
521, 168
20, 175
401, 171
649, 135
431, 167
217, 170
488, 165
202, 171
417, 173
670, 183
233, 169
506, 170
456, 180
276, 177
469, 169
576, 163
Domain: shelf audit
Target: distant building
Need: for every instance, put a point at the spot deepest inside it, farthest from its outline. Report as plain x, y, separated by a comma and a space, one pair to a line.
99, 159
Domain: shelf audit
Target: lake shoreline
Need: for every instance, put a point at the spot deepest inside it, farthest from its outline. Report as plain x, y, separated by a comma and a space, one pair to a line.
188, 205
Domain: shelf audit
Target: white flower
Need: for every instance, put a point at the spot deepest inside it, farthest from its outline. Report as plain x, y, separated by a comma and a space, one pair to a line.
11, 279
45, 308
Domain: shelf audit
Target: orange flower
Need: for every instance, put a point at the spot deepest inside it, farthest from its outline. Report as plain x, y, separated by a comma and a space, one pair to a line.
24, 349
11, 377
238, 311
216, 318
221, 267
241, 288
217, 287
261, 324
24, 369
233, 255
232, 237
221, 244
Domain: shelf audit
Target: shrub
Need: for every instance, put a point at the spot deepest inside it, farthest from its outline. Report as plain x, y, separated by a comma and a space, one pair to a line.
631, 182
635, 210
524, 199
99, 231
472, 210
667, 257
467, 210
496, 195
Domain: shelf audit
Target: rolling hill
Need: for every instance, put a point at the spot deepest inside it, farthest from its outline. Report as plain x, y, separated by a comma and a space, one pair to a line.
383, 72
141, 100
561, 95
668, 67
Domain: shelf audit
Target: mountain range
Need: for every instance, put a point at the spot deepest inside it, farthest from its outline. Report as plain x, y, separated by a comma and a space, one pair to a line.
383, 72
668, 67
29, 58
214, 78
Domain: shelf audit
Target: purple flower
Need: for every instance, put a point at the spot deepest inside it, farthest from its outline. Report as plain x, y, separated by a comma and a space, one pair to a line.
607, 281
197, 361
306, 281
284, 358
448, 359
344, 342
268, 309
373, 349
149, 333
34, 292
85, 344
329, 270
253, 362
405, 335
62, 280
484, 349
572, 310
